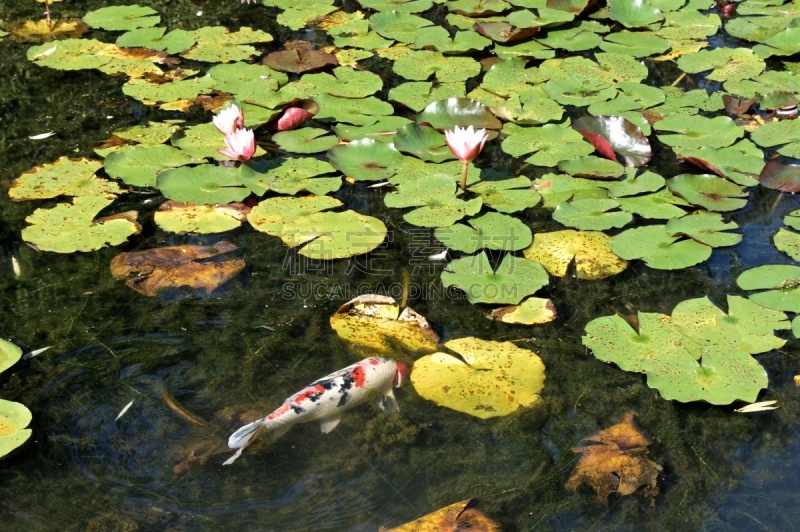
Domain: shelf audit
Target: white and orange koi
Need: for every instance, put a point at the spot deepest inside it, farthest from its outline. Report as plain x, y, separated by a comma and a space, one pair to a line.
327, 399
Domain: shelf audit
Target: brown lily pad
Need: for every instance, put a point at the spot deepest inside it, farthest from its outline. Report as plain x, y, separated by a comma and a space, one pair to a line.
153, 270
299, 61
614, 461
38, 31
779, 176
460, 516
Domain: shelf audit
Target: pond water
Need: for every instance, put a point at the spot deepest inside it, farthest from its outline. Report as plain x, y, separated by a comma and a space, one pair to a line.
195, 366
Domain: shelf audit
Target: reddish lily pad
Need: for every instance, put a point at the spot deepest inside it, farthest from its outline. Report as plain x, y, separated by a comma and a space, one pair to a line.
610, 134
299, 61
779, 176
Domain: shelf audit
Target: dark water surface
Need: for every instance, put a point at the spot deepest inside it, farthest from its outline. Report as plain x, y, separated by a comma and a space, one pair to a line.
192, 363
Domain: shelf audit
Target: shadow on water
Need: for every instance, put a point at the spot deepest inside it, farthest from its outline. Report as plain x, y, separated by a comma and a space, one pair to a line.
196, 367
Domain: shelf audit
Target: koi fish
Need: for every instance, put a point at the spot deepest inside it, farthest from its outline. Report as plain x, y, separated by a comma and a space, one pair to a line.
327, 399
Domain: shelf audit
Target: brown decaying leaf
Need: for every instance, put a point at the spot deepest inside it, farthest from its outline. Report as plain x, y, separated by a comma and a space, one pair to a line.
171, 267
614, 461
458, 517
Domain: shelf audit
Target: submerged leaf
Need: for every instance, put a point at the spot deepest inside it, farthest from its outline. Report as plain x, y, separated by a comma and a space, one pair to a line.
456, 517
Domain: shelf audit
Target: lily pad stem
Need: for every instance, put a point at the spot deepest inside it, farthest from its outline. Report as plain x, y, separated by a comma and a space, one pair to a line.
464, 176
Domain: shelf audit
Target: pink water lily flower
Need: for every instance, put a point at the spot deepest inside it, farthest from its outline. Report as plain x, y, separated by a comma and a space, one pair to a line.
241, 145
229, 120
465, 143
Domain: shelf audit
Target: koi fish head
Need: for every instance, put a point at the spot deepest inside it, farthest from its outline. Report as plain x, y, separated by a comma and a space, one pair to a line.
401, 375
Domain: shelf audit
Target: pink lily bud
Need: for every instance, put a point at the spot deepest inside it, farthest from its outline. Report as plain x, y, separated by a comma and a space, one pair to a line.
292, 118
229, 120
241, 145
465, 143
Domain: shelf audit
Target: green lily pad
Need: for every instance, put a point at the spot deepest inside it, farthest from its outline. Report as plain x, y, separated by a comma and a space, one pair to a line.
176, 94
462, 112
490, 231
204, 184
216, 44
9, 354
65, 177
532, 311
550, 143
344, 82
437, 38
139, 165
122, 17
300, 13
488, 379
711, 192
334, 235
435, 197
589, 250
288, 176
785, 42
633, 184
151, 134
636, 43
246, 81
356, 33
557, 188
578, 91
200, 142
591, 214
365, 159
271, 214
634, 13
725, 64
173, 42
614, 134
397, 25
741, 167
660, 205
356, 111
745, 326
507, 195
781, 282
382, 130
14, 417
575, 39
695, 132
788, 242
305, 140
477, 8
705, 227
401, 6
421, 65
784, 133
179, 217
515, 278
592, 167
70, 227
424, 142
416, 95
658, 249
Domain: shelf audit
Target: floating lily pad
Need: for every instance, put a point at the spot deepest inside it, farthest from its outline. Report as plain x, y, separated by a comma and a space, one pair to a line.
592, 167
205, 184
489, 379
779, 176
557, 188
660, 250
725, 64
333, 235
781, 282
785, 42
271, 214
695, 132
173, 42
365, 159
462, 112
532, 311
610, 134
435, 197
416, 95
375, 323
151, 134
513, 280
708, 191
382, 130
424, 142
299, 61
788, 242
122, 17
589, 250
550, 143
578, 91
178, 95
357, 111
9, 354
70, 227
154, 270
179, 217
297, 14
200, 142
14, 417
306, 140
634, 13
705, 227
784, 133
637, 44
490, 231
65, 177
437, 38
139, 165
289, 176
397, 25
507, 195
216, 44
739, 166
423, 64
591, 214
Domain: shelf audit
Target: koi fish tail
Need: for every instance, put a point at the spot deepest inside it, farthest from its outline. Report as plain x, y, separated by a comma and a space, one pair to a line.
247, 434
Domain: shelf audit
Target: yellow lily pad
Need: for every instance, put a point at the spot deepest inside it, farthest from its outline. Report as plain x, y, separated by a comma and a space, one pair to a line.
180, 217
375, 322
532, 311
490, 379
14, 417
591, 251
458, 516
